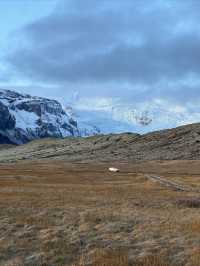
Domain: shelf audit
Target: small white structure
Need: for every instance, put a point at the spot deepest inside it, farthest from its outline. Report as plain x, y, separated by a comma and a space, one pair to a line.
113, 169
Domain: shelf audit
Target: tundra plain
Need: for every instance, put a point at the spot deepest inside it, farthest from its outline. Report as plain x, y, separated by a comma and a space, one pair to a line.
56, 213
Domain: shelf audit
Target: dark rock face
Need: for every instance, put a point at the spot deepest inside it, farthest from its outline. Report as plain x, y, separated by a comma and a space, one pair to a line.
5, 140
40, 106
24, 118
7, 121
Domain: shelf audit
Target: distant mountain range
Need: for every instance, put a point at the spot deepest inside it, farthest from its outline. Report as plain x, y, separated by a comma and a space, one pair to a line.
24, 118
111, 115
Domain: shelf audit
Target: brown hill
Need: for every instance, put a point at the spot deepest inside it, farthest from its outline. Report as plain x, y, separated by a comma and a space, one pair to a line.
177, 143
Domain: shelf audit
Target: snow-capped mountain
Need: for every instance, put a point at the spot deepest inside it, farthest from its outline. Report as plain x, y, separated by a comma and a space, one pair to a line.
24, 118
86, 126
104, 116
99, 122
112, 116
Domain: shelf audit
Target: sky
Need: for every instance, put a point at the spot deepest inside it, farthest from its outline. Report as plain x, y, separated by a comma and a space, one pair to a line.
116, 57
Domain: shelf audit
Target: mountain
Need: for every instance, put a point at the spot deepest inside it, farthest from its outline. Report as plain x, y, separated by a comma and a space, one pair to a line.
99, 122
24, 118
112, 116
86, 126
177, 143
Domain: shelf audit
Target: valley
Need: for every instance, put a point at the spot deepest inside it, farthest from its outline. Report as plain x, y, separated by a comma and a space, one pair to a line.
58, 213
60, 205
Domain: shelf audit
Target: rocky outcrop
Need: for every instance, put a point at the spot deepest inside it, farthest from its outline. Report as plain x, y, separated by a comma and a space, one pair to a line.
24, 118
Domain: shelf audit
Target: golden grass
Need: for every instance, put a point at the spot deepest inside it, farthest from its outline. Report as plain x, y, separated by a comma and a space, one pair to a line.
192, 227
195, 257
120, 258
105, 258
82, 215
153, 260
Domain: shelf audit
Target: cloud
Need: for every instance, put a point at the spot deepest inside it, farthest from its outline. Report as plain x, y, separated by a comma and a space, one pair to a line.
136, 50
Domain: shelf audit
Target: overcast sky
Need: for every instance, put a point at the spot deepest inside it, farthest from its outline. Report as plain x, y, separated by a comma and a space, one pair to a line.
128, 52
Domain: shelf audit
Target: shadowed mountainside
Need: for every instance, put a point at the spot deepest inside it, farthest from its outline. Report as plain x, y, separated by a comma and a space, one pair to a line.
178, 143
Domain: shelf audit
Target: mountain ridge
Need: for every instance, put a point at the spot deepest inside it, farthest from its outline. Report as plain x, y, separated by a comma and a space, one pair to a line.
182, 142
24, 118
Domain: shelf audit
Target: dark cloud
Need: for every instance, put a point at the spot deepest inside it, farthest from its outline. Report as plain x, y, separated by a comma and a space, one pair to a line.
139, 42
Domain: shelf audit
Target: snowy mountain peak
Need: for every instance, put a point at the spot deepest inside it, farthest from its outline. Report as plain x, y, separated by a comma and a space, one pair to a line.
24, 118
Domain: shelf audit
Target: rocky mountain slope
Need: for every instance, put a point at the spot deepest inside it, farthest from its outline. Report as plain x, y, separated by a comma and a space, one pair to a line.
178, 143
24, 118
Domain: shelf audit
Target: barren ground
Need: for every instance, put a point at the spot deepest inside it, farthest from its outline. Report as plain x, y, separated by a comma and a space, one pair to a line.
57, 213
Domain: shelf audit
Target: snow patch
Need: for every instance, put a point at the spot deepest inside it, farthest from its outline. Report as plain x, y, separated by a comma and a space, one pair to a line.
25, 120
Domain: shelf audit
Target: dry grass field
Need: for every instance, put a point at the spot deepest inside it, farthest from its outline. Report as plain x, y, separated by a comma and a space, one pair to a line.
54, 213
